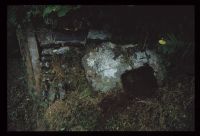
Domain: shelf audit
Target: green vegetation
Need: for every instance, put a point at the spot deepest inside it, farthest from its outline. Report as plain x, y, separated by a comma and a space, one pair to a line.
60, 10
173, 45
23, 15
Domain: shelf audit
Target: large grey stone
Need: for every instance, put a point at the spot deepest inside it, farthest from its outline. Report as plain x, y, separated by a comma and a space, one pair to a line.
104, 72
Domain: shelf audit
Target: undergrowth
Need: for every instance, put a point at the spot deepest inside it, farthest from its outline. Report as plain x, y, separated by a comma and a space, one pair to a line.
77, 111
169, 110
166, 112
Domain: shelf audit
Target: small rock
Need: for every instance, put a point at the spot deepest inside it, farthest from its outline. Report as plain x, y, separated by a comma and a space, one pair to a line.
98, 35
51, 95
54, 51
63, 66
62, 94
47, 64
129, 46
60, 85
47, 52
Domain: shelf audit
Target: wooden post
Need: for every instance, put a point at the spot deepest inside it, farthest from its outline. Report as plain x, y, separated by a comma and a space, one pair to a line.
29, 51
34, 55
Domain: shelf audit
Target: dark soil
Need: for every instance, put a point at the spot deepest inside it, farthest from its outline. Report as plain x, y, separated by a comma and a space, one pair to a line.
139, 82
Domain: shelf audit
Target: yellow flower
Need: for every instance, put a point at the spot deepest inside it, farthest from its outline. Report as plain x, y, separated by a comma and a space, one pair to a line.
162, 41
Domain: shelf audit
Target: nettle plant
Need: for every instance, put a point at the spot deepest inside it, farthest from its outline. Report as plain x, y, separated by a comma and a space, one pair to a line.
22, 15
170, 44
171, 47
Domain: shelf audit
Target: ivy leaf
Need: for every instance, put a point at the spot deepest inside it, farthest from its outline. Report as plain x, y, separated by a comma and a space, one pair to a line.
48, 10
63, 10
56, 8
62, 129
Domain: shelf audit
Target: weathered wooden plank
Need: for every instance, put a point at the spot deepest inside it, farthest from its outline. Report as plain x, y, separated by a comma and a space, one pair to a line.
34, 55
21, 36
47, 37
